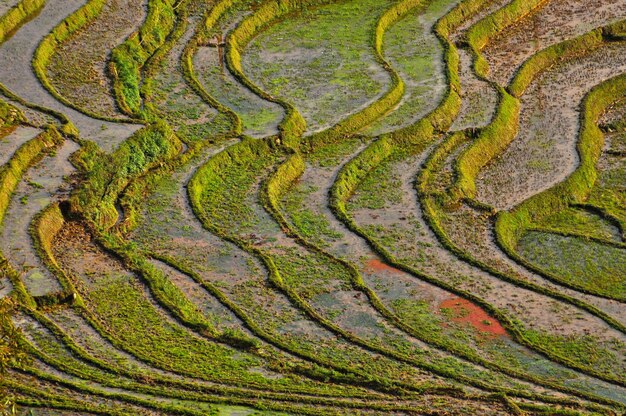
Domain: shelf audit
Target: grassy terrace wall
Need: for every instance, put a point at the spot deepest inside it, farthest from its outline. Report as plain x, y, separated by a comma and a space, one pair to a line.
17, 16
392, 97
128, 59
10, 176
44, 229
353, 173
114, 188
293, 125
506, 119
510, 226
503, 129
9, 116
483, 32
205, 190
49, 45
48, 224
210, 20
418, 135
108, 175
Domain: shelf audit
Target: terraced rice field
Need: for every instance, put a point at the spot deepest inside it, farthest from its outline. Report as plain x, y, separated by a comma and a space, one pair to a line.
313, 207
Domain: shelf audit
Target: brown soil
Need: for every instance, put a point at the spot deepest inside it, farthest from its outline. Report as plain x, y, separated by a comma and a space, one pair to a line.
421, 249
229, 91
465, 311
41, 185
213, 310
5, 5
479, 98
474, 233
376, 265
191, 117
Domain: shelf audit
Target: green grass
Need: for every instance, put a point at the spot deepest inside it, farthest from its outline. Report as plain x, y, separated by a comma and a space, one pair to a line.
259, 117
312, 225
380, 188
598, 268
321, 60
581, 222
417, 54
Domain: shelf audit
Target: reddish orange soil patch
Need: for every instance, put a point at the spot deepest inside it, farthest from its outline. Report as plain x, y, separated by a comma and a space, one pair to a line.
376, 265
466, 311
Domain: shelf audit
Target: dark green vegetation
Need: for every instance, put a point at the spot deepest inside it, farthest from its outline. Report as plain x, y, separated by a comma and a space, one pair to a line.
287, 223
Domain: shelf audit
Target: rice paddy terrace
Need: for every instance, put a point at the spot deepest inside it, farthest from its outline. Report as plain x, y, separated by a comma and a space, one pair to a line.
313, 207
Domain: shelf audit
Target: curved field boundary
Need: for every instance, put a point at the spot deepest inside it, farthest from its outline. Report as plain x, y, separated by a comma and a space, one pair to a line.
49, 45
17, 16
503, 129
293, 125
432, 213
496, 137
155, 150
210, 173
52, 220
128, 59
259, 399
10, 22
294, 166
190, 390
413, 137
66, 127
478, 36
116, 247
38, 398
108, 175
241, 154
10, 176
487, 29
130, 197
211, 19
278, 184
10, 117
355, 122
511, 225
79, 352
